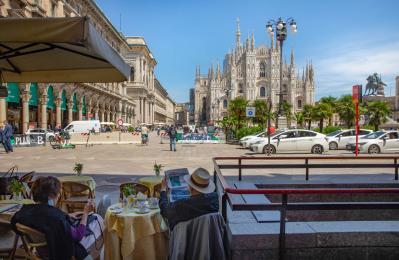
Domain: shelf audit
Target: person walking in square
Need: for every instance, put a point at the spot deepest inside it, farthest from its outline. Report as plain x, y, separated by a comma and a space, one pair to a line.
7, 134
2, 136
172, 138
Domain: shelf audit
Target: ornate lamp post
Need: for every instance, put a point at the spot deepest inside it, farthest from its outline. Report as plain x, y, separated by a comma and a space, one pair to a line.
280, 27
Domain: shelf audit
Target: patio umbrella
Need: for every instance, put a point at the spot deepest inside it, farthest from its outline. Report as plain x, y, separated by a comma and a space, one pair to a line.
57, 50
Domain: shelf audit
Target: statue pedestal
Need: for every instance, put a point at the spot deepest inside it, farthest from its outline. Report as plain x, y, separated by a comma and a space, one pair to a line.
374, 98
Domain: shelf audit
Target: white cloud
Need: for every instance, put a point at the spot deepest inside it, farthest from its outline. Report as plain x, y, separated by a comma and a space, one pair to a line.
349, 65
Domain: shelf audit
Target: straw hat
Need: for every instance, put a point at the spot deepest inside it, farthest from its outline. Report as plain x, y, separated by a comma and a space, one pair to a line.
200, 180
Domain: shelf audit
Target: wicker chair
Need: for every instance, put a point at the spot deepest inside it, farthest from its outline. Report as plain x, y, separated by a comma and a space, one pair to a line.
157, 191
137, 186
8, 241
32, 240
74, 196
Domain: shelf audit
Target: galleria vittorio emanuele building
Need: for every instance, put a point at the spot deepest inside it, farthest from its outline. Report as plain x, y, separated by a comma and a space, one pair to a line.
254, 73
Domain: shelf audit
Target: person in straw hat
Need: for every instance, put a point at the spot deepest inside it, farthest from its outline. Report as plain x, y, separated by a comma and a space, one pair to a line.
203, 199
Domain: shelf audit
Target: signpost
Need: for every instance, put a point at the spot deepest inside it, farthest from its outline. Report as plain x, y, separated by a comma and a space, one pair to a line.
120, 124
250, 111
356, 98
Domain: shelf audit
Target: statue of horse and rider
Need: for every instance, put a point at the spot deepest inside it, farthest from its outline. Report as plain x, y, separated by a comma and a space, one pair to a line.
374, 86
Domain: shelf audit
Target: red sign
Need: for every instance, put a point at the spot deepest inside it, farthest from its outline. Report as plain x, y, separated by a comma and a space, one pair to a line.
356, 93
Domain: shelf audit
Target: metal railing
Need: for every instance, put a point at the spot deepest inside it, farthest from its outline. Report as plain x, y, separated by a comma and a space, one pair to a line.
308, 163
284, 206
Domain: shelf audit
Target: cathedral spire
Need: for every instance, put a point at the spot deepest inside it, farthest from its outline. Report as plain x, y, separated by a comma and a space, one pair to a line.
272, 42
218, 73
253, 42
212, 72
247, 42
292, 58
238, 34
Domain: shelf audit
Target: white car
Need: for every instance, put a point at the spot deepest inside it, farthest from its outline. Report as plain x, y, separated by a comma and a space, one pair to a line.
295, 140
40, 131
245, 140
377, 142
340, 138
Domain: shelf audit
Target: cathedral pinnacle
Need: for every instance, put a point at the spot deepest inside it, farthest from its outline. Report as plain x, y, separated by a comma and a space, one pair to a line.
238, 34
253, 42
292, 58
218, 72
247, 42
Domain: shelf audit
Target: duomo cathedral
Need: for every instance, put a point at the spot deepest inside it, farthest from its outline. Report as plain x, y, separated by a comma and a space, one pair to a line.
252, 72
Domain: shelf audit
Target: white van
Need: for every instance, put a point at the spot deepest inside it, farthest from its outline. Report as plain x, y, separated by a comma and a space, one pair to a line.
83, 126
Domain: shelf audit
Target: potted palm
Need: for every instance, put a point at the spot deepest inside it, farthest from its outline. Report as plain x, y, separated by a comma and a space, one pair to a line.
128, 190
16, 188
157, 168
78, 168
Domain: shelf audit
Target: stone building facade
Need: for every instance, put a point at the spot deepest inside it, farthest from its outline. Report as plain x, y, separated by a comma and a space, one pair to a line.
164, 106
252, 72
48, 105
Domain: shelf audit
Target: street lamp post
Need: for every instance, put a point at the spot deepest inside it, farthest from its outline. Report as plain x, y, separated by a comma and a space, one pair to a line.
281, 34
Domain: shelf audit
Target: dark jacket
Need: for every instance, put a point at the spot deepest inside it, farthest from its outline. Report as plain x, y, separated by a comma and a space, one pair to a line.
183, 210
7, 131
1, 135
55, 225
172, 133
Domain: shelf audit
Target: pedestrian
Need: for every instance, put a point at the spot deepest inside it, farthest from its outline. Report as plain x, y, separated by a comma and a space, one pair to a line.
144, 135
7, 134
172, 138
158, 131
2, 136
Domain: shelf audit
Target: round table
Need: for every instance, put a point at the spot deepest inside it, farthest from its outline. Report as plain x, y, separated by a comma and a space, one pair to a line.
83, 179
150, 182
7, 215
129, 235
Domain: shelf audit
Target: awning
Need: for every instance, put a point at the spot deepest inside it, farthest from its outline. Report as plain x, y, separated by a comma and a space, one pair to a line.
74, 103
63, 100
57, 50
50, 97
34, 98
13, 93
84, 110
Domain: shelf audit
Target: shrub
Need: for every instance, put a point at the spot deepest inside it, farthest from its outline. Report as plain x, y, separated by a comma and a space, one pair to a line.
330, 129
244, 131
130, 129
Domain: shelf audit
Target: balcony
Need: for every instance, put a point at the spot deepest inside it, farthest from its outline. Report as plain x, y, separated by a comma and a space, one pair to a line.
37, 10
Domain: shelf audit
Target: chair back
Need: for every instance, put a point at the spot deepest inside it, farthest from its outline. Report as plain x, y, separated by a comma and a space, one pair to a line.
31, 240
157, 190
204, 237
28, 177
137, 186
74, 196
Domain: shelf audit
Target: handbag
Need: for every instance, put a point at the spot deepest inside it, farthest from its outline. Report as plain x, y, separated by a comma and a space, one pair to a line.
6, 179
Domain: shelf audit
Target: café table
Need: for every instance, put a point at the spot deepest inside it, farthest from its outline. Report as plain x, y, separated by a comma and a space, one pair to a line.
151, 181
7, 215
130, 235
83, 179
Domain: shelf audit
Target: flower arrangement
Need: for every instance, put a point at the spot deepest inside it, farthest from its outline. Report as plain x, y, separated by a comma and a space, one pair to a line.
157, 168
78, 168
17, 188
128, 190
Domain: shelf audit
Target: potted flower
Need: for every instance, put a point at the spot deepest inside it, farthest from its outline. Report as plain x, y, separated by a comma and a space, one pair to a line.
78, 168
17, 188
157, 168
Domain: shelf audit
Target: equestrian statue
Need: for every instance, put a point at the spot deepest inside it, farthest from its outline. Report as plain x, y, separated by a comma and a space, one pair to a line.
374, 86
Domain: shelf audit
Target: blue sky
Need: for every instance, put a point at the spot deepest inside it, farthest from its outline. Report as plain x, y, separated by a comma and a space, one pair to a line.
346, 40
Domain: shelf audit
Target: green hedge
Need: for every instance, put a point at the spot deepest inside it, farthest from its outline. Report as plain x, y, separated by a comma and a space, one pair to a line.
244, 131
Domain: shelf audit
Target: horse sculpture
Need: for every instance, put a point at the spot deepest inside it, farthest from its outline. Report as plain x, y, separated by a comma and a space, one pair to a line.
374, 85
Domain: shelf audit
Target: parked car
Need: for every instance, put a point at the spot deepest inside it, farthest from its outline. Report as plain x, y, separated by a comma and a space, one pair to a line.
245, 141
339, 139
377, 142
294, 140
40, 131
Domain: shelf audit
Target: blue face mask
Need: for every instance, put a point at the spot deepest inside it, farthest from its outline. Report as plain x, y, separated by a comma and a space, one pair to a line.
51, 203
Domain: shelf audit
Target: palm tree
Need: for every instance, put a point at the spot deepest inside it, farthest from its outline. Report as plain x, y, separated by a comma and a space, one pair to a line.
331, 102
237, 108
307, 114
261, 112
300, 118
377, 112
287, 112
346, 110
320, 112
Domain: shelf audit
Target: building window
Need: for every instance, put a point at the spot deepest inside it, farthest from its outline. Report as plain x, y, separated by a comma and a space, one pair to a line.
132, 74
262, 92
299, 103
240, 89
225, 103
262, 70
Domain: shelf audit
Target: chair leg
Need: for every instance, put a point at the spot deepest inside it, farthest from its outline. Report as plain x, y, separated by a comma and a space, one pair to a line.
14, 248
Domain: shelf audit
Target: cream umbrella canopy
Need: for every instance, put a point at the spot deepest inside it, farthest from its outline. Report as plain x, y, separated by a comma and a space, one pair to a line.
57, 50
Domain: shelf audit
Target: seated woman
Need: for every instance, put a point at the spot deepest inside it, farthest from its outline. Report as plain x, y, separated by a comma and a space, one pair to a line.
64, 238
203, 199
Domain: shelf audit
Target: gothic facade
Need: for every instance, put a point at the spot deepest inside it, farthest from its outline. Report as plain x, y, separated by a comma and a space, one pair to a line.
252, 72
